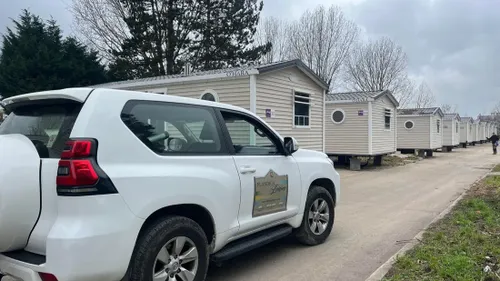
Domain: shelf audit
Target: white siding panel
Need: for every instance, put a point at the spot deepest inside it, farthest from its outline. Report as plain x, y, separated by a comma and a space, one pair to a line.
231, 91
482, 131
275, 92
416, 138
383, 140
448, 132
351, 136
451, 136
475, 132
437, 137
465, 132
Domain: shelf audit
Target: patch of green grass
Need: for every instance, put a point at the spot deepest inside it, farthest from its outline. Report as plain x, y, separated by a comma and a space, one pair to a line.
496, 169
461, 245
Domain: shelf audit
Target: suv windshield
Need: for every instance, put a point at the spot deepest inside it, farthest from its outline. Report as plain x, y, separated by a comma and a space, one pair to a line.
48, 124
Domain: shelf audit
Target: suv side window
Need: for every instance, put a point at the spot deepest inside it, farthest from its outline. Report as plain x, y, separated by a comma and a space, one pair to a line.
248, 136
171, 128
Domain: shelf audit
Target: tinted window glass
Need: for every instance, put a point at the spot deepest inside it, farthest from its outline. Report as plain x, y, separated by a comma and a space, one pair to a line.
168, 128
248, 136
48, 125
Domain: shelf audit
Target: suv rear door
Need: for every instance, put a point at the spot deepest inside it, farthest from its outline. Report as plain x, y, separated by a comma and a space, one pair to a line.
41, 123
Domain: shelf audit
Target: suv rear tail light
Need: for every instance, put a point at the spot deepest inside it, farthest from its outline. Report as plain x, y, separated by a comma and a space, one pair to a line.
47, 277
78, 172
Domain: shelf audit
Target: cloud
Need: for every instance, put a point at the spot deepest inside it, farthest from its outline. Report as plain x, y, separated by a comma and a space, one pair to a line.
46, 9
453, 44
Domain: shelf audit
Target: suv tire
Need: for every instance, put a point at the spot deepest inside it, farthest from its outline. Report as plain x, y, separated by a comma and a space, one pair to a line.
319, 216
166, 234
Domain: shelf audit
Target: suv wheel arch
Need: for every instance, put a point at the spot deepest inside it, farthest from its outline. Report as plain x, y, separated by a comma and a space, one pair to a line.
197, 213
327, 184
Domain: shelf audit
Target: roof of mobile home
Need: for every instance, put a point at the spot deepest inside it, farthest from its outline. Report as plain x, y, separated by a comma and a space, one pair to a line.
421, 111
451, 116
245, 70
486, 118
353, 97
467, 119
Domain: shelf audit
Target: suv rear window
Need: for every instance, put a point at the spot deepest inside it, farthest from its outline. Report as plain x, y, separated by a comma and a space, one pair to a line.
46, 123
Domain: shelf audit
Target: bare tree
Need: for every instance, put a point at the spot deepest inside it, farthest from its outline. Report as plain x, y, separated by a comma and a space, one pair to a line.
495, 113
322, 39
100, 24
424, 97
405, 92
448, 108
496, 109
275, 31
378, 65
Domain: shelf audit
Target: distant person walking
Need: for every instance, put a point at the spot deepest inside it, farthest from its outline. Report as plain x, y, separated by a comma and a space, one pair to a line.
494, 142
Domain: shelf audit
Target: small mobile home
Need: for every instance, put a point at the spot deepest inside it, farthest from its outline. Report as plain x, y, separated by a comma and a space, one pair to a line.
475, 132
287, 95
482, 131
420, 129
451, 131
466, 136
360, 124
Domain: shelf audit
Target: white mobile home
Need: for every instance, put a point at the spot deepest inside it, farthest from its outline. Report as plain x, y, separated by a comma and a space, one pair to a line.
287, 95
361, 124
451, 131
420, 129
466, 135
475, 132
482, 131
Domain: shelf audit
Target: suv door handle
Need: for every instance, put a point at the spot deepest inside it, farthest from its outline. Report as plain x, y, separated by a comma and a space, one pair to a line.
247, 170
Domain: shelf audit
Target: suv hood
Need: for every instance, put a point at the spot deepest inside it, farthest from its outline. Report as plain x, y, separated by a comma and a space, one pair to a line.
309, 153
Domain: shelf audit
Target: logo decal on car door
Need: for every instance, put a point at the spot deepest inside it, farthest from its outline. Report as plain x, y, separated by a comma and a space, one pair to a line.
271, 194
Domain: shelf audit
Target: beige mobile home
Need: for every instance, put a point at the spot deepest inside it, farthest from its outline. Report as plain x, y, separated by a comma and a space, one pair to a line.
451, 131
287, 95
360, 124
466, 135
420, 129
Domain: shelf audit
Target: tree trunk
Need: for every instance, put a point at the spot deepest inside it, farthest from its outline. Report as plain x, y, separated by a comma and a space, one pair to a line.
169, 56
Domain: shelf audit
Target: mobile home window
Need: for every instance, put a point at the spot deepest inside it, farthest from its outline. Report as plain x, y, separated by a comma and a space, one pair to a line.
438, 125
338, 116
387, 118
210, 95
409, 125
302, 106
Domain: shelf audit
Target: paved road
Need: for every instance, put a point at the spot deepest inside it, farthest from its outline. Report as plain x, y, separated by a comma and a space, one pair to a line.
378, 208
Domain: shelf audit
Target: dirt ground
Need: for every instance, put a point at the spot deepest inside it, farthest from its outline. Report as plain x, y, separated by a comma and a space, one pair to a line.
379, 210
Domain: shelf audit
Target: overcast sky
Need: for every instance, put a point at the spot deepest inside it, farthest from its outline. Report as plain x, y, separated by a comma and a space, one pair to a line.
453, 44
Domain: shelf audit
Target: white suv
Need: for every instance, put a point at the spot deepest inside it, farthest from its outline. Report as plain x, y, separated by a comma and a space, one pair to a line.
99, 184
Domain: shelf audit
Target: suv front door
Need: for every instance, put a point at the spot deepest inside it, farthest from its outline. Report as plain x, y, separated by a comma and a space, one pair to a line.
270, 180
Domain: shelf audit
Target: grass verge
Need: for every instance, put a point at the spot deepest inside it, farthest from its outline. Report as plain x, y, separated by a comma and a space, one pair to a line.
496, 169
465, 245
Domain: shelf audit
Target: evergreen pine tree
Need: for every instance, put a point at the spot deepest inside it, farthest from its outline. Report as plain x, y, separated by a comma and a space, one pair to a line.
160, 36
35, 57
225, 34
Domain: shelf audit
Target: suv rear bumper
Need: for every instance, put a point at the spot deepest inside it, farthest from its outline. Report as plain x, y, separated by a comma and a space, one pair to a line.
92, 238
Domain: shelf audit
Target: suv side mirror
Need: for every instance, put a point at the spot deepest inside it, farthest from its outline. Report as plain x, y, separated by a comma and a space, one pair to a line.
291, 144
